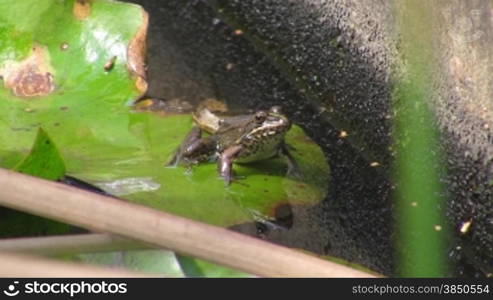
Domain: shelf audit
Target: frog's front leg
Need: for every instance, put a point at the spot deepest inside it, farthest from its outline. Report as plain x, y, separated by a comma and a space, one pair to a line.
293, 167
225, 163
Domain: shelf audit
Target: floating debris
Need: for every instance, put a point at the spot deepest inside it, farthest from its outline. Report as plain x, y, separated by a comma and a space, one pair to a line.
343, 134
374, 164
464, 228
64, 46
108, 66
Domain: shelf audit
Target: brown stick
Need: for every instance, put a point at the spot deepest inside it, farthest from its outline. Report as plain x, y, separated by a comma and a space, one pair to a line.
15, 265
106, 214
74, 243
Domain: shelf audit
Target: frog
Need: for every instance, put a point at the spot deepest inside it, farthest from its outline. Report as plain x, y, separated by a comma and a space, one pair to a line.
238, 139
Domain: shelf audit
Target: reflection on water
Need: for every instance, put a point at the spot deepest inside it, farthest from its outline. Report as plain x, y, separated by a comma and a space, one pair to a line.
130, 185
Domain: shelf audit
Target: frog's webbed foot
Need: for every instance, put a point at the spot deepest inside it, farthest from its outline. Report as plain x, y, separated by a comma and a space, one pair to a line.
293, 167
225, 163
175, 160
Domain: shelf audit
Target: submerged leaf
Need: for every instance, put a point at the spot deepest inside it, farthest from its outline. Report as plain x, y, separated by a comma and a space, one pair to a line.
193, 267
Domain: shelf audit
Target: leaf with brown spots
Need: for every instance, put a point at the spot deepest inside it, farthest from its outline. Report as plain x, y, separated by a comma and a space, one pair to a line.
30, 77
82, 9
137, 50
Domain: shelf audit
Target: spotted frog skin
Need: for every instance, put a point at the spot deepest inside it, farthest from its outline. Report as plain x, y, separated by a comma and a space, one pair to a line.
241, 139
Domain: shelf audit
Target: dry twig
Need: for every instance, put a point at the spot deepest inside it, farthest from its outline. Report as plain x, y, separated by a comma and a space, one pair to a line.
105, 214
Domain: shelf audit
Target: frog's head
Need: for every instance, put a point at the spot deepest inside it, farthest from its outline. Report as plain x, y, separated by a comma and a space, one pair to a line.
265, 127
270, 123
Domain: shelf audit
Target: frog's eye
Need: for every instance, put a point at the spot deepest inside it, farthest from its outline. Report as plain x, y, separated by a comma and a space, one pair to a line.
260, 116
276, 110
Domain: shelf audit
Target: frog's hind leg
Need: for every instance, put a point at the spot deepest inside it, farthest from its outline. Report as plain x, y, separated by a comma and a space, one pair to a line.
193, 137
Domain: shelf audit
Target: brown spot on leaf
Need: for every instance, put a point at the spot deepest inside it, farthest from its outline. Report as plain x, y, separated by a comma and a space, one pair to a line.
31, 77
82, 9
136, 54
108, 66
31, 82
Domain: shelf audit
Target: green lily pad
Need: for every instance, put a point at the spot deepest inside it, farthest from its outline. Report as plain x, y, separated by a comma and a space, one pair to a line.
201, 194
158, 263
53, 57
155, 262
103, 141
75, 68
193, 267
